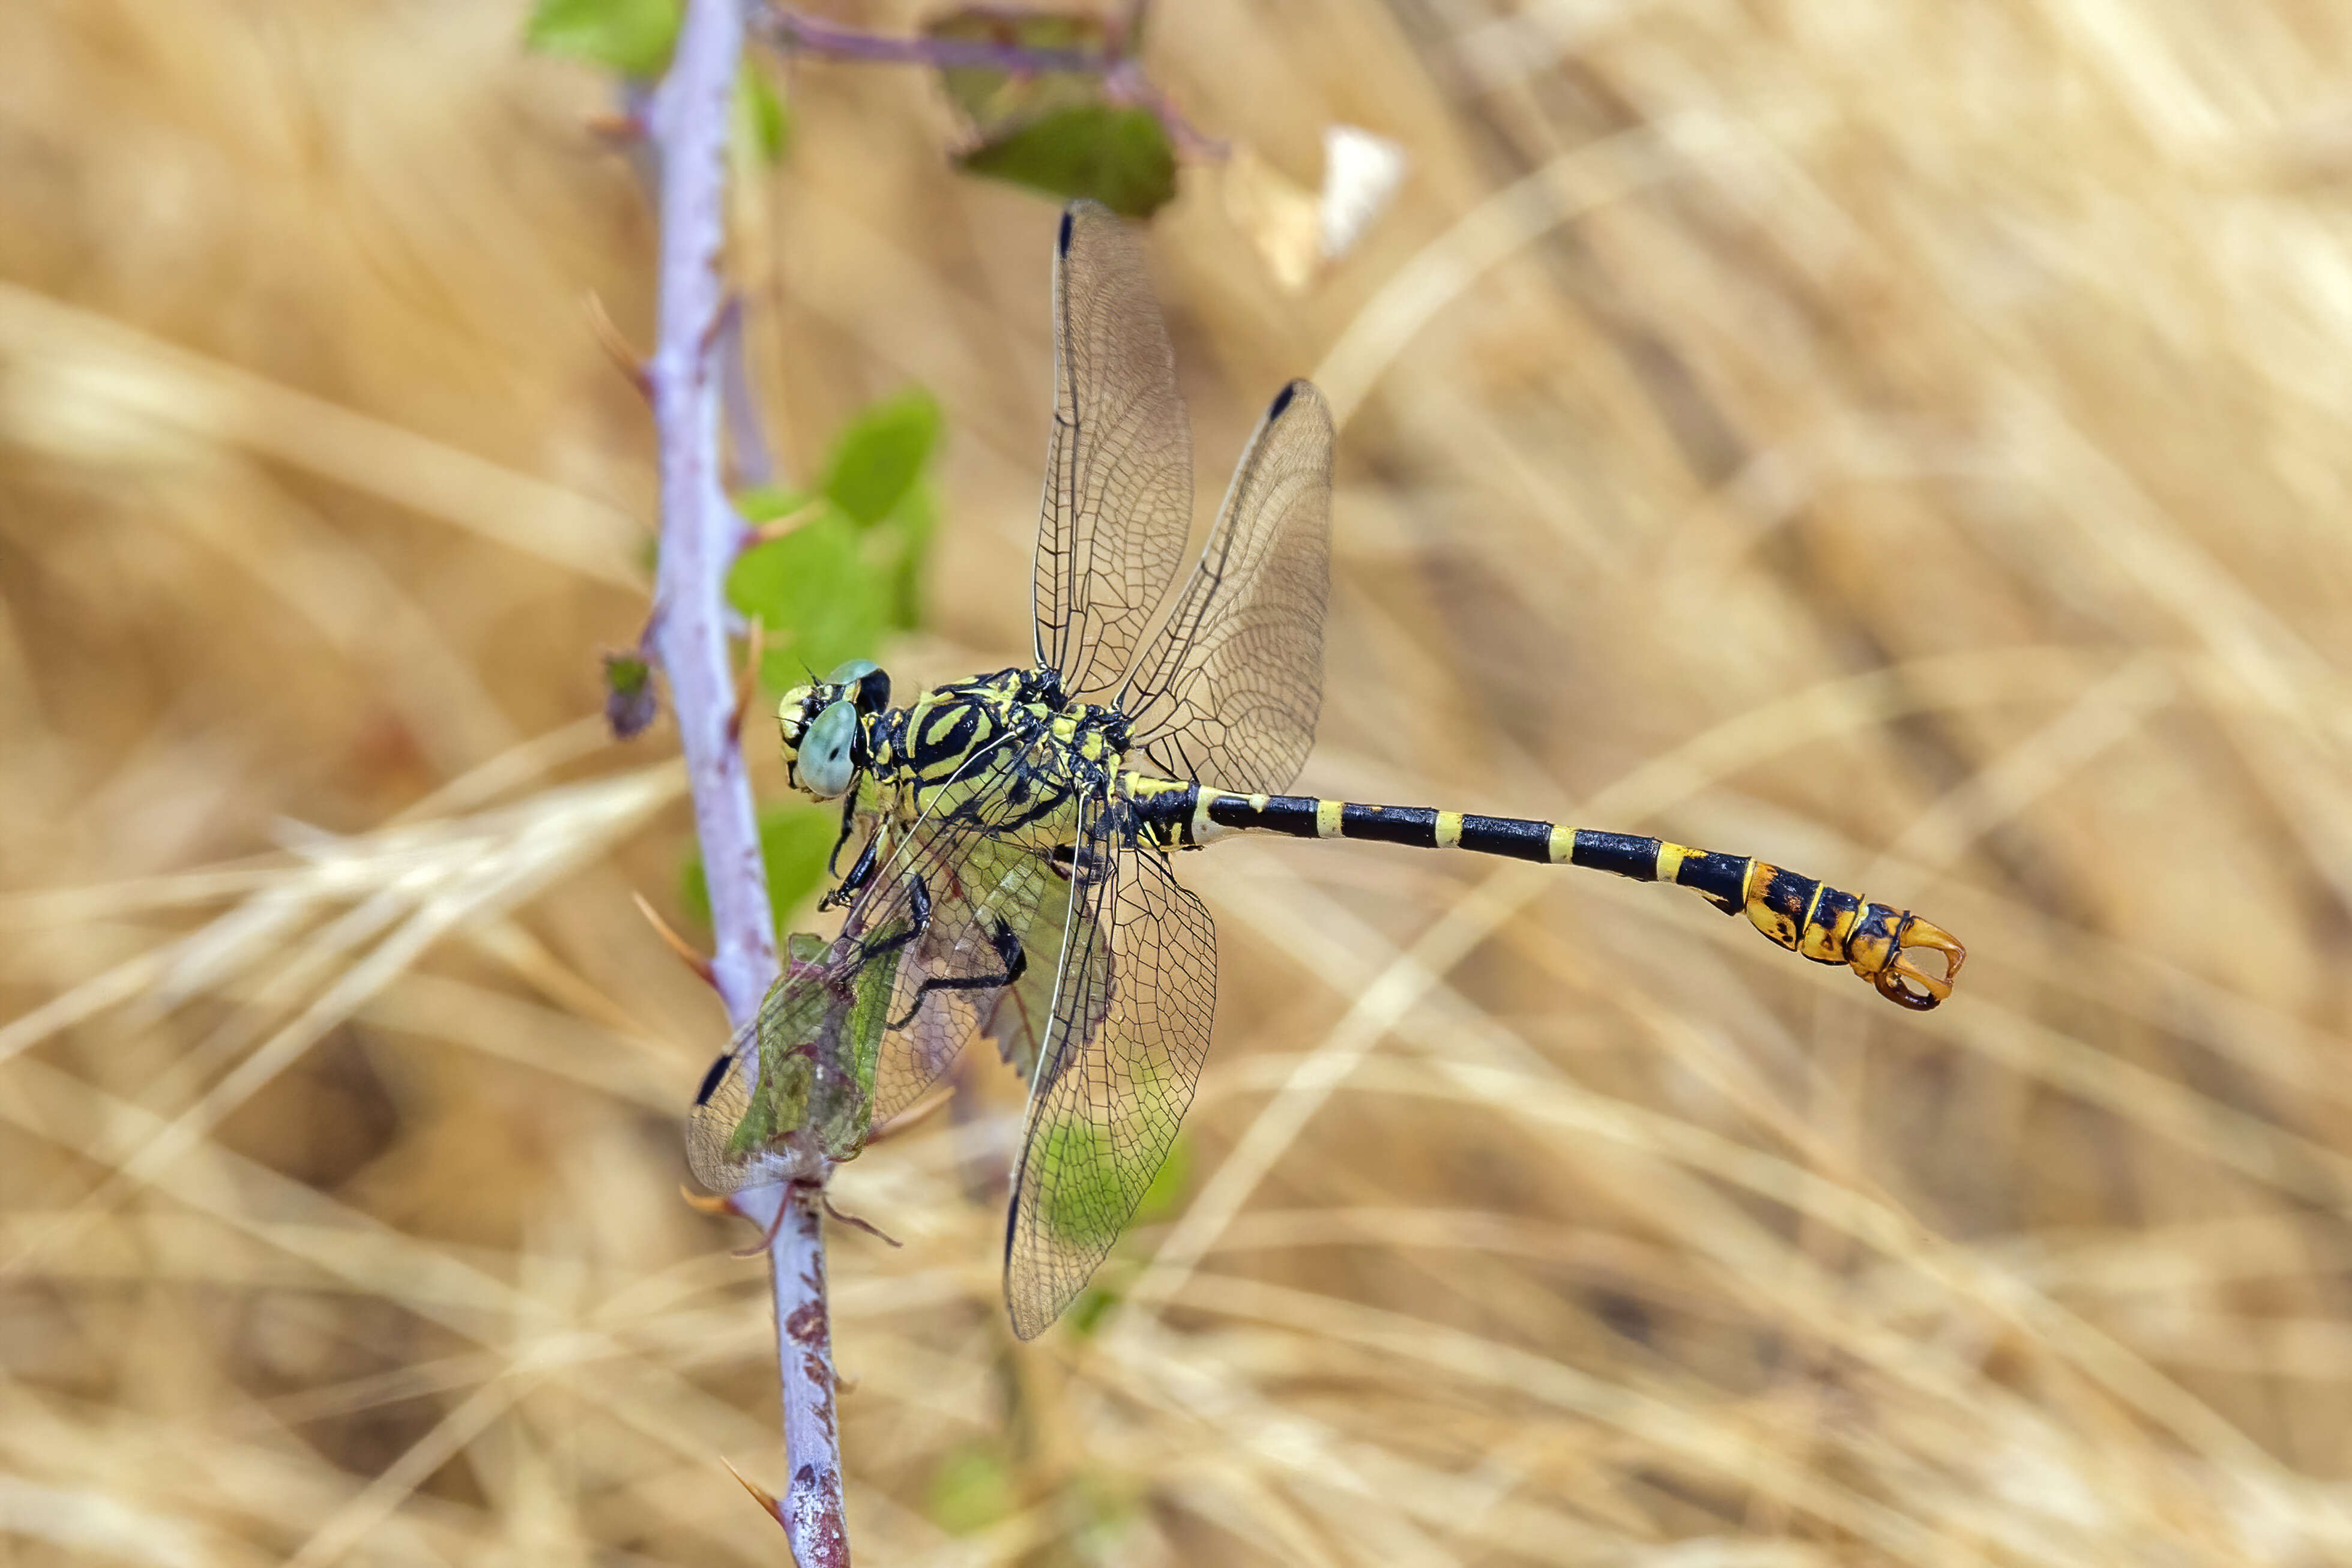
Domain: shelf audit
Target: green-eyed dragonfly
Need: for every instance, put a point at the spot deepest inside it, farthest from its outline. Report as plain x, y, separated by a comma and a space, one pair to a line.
1016, 831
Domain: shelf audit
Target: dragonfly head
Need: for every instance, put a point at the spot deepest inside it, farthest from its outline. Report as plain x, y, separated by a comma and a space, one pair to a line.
823, 727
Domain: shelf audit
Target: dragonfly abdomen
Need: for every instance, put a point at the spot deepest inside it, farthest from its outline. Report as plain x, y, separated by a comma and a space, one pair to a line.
1808, 918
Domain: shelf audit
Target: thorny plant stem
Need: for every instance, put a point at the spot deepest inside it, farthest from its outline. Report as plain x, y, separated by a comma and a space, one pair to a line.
688, 635
813, 34
1123, 78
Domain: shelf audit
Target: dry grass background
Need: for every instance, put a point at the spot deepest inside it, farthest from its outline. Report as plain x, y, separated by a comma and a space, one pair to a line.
1910, 441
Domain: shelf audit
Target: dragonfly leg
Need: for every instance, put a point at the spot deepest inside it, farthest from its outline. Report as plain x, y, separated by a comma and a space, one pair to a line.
768, 1237
1080, 861
848, 822
1008, 952
860, 873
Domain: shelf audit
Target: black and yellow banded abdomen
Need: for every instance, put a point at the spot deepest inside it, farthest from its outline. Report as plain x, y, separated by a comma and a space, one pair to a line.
1820, 922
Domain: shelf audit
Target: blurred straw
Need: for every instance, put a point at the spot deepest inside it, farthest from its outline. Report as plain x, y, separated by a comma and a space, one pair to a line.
1907, 442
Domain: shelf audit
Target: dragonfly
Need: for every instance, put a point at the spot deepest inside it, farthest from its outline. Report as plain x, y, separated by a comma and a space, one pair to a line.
1016, 833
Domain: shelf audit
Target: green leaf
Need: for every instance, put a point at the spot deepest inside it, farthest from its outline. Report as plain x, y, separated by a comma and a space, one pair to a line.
795, 843
766, 503
913, 519
1119, 155
858, 1047
815, 1071
632, 36
843, 1047
1165, 1195
1088, 1312
971, 1490
994, 102
879, 455
849, 570
758, 123
797, 1084
820, 596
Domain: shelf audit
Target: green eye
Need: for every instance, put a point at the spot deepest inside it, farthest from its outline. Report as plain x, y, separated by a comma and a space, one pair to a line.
825, 765
861, 681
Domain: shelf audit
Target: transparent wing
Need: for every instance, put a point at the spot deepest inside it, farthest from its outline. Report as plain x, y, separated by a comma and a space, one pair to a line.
1021, 1016
1119, 466
1230, 690
1130, 1031
946, 941
962, 917
724, 1105
792, 1066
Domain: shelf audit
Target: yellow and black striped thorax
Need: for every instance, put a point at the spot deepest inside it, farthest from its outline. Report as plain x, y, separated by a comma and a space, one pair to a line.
1001, 752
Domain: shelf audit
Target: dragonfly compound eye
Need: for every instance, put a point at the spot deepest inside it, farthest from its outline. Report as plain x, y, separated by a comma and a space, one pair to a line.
864, 683
825, 765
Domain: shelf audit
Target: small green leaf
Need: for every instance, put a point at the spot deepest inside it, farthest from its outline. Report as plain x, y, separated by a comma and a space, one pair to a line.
629, 703
994, 102
759, 124
1119, 156
797, 1087
913, 519
823, 1071
879, 455
971, 1490
822, 594
795, 843
1090, 1310
1165, 1195
767, 503
819, 595
632, 36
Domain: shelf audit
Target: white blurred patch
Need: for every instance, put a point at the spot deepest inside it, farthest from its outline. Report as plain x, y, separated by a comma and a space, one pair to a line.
1299, 233
1361, 175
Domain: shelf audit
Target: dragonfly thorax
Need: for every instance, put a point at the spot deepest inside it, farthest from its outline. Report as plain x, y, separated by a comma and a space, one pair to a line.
838, 732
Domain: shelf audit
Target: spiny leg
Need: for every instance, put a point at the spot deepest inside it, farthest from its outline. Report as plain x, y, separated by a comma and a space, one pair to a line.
865, 861
1010, 953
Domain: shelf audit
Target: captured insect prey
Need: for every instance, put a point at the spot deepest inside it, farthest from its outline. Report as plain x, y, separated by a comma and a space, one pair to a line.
1015, 833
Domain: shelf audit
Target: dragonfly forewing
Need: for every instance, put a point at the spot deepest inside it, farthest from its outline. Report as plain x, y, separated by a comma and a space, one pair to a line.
1119, 464
1230, 690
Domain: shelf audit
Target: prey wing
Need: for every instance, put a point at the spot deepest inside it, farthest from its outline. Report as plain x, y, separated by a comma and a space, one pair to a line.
959, 930
789, 1067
